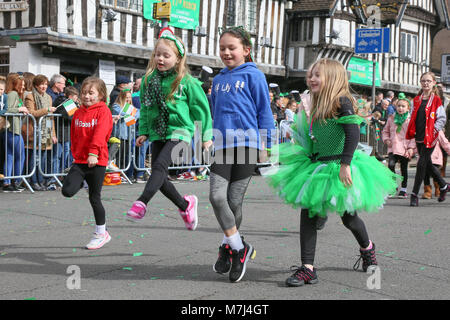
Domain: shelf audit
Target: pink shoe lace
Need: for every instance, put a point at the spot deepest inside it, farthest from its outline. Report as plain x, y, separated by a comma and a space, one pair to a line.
137, 211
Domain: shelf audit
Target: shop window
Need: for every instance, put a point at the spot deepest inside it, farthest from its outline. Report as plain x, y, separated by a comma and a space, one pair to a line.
133, 5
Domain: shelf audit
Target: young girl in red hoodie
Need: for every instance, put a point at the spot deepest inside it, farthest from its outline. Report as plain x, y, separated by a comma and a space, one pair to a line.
90, 130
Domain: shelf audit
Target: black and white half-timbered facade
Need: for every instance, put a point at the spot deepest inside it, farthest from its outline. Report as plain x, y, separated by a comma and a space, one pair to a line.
73, 36
327, 28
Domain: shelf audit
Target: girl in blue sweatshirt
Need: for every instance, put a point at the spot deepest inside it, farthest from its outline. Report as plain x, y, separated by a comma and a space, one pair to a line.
243, 123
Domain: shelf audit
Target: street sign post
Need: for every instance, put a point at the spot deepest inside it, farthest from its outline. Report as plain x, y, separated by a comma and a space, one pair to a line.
372, 40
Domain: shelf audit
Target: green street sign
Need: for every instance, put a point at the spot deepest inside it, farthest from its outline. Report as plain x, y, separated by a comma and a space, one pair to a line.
183, 14
362, 72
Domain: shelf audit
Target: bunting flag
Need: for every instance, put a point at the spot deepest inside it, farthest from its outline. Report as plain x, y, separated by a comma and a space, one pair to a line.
70, 107
129, 110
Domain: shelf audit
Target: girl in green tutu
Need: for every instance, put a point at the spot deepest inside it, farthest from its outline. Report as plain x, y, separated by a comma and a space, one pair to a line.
322, 172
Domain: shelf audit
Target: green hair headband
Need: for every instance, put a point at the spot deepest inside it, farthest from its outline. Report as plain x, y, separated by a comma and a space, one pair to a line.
126, 89
166, 33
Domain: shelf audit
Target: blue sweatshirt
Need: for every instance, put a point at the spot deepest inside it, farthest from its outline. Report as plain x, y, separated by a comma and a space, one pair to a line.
240, 100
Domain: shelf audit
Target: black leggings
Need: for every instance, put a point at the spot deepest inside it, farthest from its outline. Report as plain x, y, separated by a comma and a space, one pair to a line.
425, 165
161, 160
393, 159
94, 177
308, 234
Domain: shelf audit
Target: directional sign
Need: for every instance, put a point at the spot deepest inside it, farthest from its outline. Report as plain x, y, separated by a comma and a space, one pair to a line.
372, 40
183, 14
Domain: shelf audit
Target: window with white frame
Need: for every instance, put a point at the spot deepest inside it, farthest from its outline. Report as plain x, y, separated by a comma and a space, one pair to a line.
133, 5
408, 47
242, 13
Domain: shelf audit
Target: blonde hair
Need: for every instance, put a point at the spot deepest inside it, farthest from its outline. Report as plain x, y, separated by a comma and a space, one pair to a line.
181, 67
122, 97
334, 85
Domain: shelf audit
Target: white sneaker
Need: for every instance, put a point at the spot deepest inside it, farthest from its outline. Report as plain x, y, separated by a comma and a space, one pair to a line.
98, 241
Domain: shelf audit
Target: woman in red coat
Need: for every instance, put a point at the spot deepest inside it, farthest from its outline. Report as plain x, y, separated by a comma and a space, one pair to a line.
427, 119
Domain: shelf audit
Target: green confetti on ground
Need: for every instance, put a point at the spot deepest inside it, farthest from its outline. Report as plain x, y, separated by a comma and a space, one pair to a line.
269, 257
154, 278
422, 268
74, 250
17, 38
427, 232
285, 229
162, 214
389, 254
130, 241
127, 268
31, 298
137, 254
346, 290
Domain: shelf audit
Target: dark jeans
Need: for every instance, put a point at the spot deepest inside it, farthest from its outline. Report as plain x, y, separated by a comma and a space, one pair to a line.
425, 165
393, 159
94, 177
161, 160
308, 234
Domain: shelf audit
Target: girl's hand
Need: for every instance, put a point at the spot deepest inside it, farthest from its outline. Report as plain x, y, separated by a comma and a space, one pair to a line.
388, 143
207, 144
409, 153
51, 109
345, 175
55, 140
116, 119
92, 161
140, 140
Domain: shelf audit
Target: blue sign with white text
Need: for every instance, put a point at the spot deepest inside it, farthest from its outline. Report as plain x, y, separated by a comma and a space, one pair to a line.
372, 40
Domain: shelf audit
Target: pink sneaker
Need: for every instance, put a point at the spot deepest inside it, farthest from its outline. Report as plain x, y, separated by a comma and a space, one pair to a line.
190, 215
137, 211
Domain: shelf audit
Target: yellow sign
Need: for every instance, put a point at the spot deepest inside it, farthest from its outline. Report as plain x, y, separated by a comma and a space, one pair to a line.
161, 10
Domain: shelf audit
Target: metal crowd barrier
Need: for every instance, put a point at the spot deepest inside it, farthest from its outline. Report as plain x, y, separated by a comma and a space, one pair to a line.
24, 166
48, 156
122, 161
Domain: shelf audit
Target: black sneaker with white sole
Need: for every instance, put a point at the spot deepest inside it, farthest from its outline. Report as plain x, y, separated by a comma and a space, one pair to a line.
223, 263
239, 261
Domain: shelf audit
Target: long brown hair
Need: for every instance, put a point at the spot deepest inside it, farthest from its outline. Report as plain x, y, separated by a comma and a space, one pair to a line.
181, 67
334, 85
15, 82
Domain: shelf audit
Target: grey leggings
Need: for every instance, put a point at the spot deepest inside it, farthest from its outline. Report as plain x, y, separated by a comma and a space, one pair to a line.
228, 184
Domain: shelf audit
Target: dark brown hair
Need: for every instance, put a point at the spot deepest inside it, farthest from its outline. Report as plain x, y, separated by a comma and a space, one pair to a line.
38, 80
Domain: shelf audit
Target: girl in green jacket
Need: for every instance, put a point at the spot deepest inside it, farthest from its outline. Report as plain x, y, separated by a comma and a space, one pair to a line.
171, 101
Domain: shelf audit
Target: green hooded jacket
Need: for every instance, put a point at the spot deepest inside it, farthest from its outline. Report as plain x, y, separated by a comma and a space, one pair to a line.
189, 105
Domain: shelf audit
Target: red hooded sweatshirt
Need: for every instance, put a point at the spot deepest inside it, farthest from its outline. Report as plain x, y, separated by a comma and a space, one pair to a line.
90, 131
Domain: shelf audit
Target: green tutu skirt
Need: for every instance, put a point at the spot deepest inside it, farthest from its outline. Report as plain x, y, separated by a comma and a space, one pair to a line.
315, 185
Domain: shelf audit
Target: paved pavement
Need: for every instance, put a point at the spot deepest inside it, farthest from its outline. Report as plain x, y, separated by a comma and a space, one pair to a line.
42, 236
